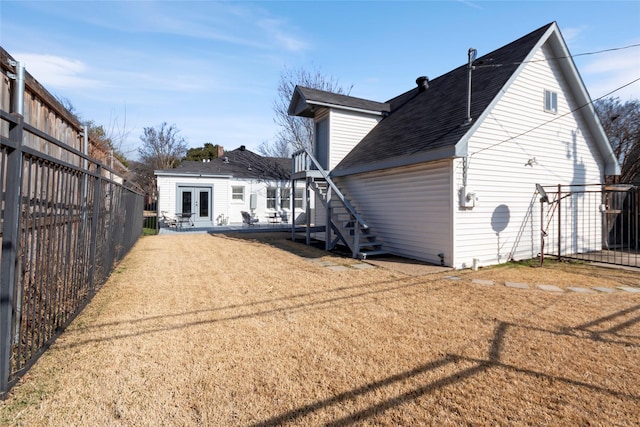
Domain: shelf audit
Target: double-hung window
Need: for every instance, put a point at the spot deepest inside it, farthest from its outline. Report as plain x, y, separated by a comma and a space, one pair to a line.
299, 200
237, 194
285, 196
271, 197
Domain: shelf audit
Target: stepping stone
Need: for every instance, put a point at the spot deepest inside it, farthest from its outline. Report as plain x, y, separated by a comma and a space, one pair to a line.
337, 268
452, 277
629, 289
605, 290
516, 285
482, 282
550, 288
362, 266
325, 263
580, 290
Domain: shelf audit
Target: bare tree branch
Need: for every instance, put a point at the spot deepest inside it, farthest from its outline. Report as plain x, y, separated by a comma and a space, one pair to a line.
621, 123
295, 133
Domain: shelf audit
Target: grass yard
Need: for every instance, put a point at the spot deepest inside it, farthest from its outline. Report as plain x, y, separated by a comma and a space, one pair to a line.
196, 330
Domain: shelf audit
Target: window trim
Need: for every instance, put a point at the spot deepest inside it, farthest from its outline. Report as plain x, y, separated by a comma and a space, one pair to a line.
297, 199
550, 101
285, 198
273, 199
235, 200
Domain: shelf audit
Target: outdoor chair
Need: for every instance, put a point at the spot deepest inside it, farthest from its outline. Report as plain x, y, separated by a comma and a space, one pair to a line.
169, 221
248, 219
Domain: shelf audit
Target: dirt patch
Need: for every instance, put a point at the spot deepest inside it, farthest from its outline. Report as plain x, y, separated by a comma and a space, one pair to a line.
228, 330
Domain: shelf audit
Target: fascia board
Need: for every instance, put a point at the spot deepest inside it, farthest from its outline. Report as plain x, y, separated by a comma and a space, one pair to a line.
191, 174
342, 107
588, 112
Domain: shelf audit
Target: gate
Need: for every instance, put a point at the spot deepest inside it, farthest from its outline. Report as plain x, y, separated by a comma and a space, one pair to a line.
66, 220
597, 223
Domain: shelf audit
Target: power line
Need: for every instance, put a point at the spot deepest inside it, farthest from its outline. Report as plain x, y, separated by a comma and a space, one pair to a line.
556, 118
560, 57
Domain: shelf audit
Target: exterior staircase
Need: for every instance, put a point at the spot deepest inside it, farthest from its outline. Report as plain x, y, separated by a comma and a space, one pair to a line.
343, 223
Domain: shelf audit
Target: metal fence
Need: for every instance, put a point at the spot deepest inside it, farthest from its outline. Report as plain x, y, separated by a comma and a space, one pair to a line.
64, 225
593, 222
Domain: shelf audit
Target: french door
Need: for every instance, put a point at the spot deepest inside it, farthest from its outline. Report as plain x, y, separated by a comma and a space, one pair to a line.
195, 202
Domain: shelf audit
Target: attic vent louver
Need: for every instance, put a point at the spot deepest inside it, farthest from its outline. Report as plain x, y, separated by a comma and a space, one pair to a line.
423, 83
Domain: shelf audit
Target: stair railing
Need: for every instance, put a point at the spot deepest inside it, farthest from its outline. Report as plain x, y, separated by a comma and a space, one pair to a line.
303, 158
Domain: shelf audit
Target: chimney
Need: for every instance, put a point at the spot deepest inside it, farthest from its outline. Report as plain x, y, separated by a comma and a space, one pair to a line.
220, 149
423, 83
242, 148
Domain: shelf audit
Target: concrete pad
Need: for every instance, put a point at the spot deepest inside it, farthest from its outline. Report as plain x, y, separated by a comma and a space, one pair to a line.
362, 266
581, 290
629, 289
482, 282
550, 288
516, 285
605, 290
452, 277
337, 268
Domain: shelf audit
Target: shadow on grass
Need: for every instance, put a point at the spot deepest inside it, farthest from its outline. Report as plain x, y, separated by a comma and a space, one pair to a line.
406, 283
493, 361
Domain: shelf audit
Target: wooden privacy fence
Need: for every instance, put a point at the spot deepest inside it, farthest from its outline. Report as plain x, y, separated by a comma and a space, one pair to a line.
66, 220
593, 223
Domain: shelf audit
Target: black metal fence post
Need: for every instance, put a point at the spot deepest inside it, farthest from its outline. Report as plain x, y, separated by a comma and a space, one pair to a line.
9, 269
95, 219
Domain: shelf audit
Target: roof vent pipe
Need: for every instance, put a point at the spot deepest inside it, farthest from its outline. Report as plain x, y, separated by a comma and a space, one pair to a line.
423, 83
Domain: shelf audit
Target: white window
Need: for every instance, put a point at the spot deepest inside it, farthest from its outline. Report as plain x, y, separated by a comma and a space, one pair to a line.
299, 201
285, 196
550, 101
271, 197
237, 194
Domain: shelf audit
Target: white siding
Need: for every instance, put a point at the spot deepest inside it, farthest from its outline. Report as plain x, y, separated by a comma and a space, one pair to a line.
347, 128
223, 204
505, 224
408, 208
168, 186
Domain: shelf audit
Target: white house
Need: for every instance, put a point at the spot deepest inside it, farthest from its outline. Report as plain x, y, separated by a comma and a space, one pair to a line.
431, 176
215, 192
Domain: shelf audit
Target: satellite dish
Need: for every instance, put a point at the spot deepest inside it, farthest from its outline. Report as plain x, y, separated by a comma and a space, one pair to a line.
543, 194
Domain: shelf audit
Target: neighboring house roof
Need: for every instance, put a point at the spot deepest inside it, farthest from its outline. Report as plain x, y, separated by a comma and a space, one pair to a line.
239, 163
305, 100
432, 124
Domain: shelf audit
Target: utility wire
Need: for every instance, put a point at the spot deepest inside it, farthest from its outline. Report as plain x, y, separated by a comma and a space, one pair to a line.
559, 57
556, 118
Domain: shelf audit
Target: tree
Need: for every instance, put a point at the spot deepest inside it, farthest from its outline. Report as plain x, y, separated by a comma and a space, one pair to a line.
621, 123
209, 151
162, 147
296, 132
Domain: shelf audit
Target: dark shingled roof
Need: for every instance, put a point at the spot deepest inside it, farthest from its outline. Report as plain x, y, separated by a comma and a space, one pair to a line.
321, 97
423, 121
240, 163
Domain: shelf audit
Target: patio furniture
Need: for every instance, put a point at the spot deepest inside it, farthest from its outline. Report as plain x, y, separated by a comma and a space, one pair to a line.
184, 218
248, 219
169, 221
273, 217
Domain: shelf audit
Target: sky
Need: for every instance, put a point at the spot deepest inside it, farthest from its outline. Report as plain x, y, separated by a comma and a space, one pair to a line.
212, 68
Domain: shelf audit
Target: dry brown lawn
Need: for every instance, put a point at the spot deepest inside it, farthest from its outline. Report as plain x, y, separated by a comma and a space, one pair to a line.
232, 331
